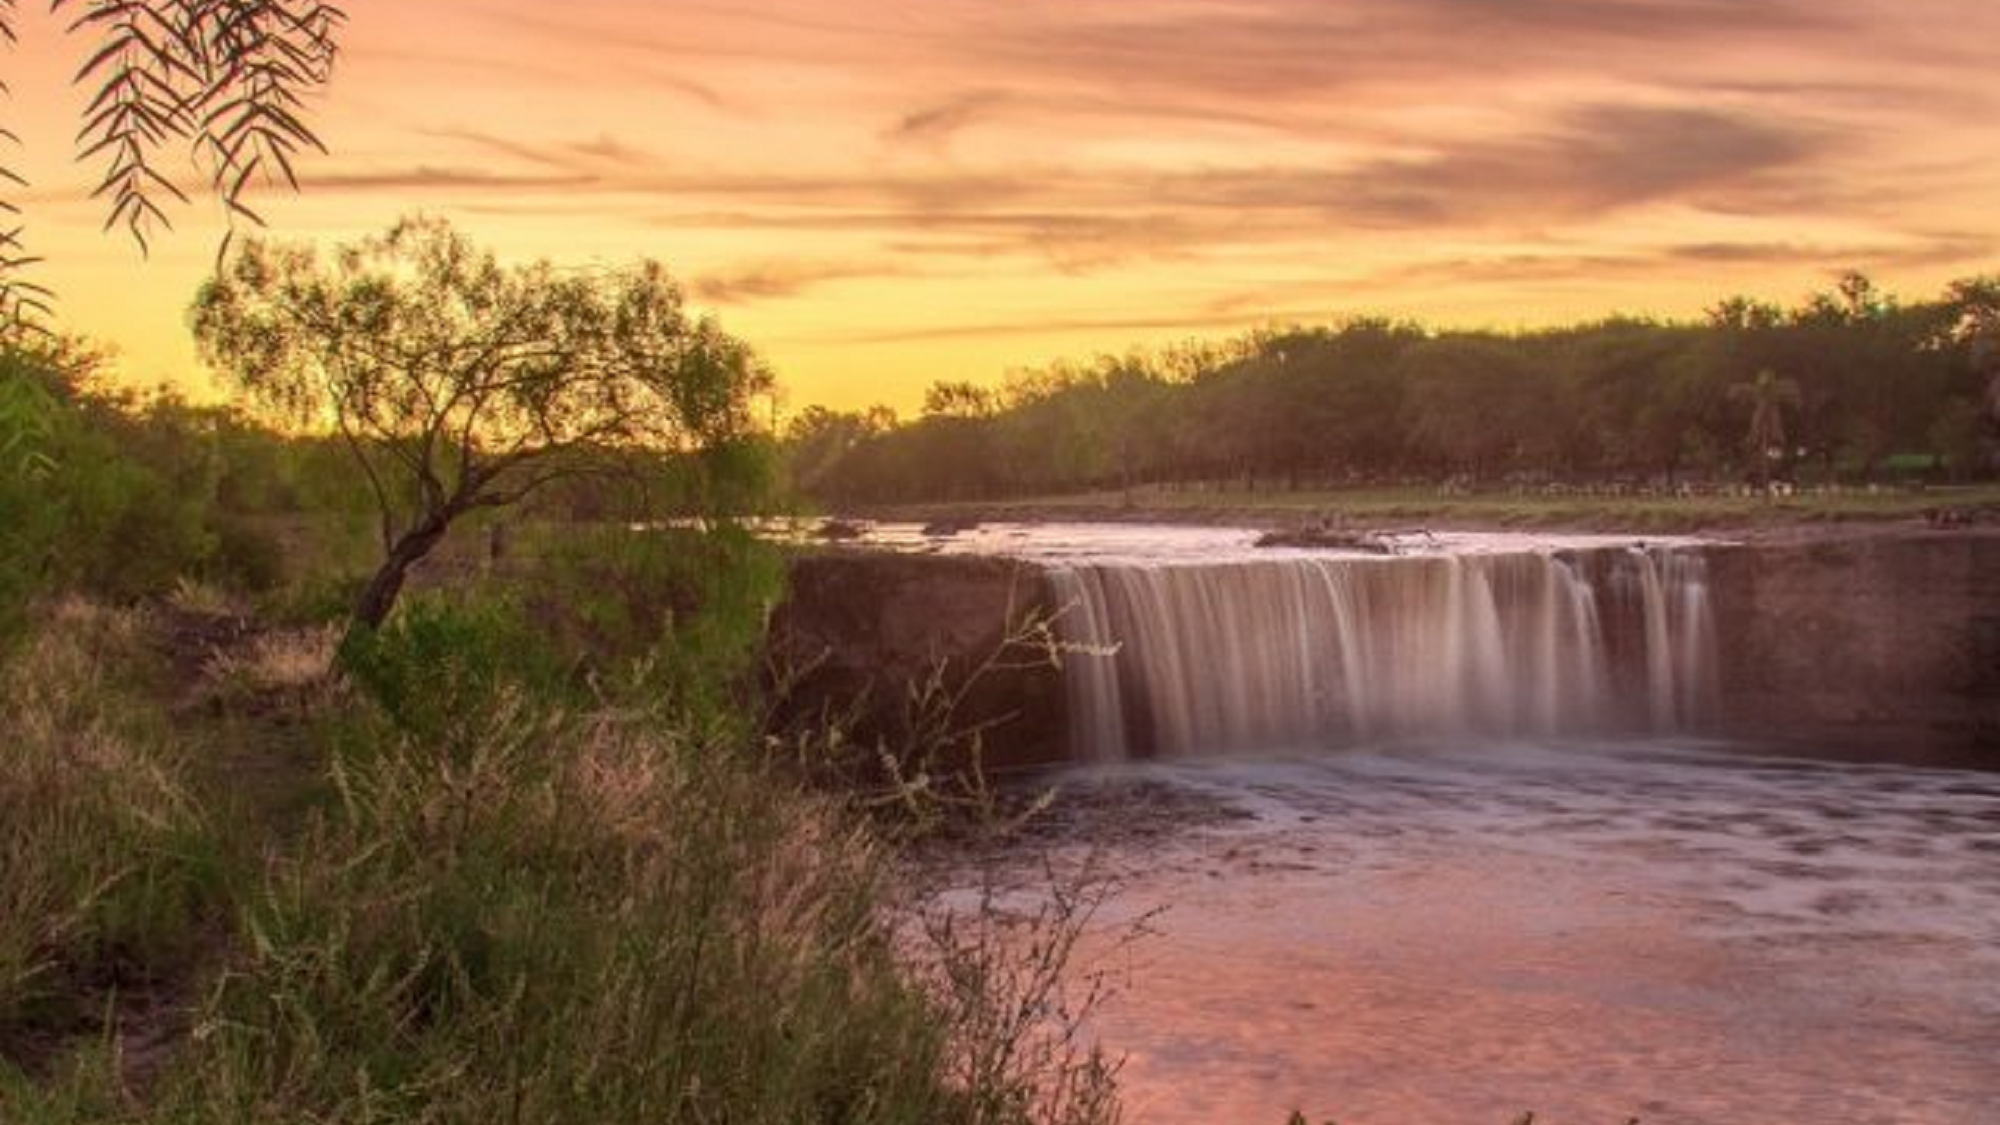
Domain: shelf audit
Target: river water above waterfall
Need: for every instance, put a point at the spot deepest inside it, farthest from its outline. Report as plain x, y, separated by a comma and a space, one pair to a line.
1437, 838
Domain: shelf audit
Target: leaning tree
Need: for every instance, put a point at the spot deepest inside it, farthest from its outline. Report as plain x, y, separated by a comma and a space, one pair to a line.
225, 80
462, 384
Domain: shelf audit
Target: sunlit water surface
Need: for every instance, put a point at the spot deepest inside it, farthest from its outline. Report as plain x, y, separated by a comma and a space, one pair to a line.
1185, 544
1677, 932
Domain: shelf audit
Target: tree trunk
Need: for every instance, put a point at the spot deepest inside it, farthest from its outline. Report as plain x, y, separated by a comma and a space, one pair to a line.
380, 595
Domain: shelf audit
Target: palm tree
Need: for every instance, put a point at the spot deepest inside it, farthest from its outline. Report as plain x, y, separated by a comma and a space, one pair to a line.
1768, 395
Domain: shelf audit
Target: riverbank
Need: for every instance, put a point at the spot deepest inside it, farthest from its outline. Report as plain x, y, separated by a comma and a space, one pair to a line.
1851, 510
486, 863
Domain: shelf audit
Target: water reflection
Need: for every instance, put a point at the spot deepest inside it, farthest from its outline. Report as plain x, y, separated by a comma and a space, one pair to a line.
1652, 930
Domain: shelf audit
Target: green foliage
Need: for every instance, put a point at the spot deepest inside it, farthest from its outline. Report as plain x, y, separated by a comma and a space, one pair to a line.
592, 921
28, 419
571, 923
460, 384
121, 496
818, 440
667, 620
444, 661
504, 914
668, 617
130, 527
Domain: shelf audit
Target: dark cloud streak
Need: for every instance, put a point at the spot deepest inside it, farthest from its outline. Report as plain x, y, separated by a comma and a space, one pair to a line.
766, 281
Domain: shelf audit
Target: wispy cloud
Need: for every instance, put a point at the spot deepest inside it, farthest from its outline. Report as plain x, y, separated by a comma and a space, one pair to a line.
774, 280
1588, 162
985, 177
938, 122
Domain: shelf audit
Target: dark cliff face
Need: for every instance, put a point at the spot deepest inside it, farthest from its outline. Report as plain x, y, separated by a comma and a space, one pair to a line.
862, 631
1876, 646
1871, 647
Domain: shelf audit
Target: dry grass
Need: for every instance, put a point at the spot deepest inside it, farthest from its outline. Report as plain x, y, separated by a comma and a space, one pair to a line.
105, 855
295, 664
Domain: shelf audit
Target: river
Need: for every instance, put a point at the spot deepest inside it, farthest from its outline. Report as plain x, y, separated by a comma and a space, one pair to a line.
1487, 908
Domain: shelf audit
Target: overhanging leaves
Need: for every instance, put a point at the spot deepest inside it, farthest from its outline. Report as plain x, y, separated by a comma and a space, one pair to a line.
225, 80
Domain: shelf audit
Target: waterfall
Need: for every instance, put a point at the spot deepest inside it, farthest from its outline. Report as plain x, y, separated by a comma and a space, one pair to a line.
1294, 651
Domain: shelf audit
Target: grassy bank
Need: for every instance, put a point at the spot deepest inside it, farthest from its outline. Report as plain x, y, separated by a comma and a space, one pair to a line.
1424, 507
524, 855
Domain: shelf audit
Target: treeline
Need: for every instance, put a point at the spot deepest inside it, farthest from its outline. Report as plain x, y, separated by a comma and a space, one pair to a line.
1851, 384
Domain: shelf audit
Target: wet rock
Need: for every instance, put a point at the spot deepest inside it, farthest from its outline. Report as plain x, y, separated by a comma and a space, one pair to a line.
1327, 539
839, 530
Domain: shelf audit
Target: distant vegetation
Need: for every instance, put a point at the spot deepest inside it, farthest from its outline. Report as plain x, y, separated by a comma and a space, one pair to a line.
1851, 385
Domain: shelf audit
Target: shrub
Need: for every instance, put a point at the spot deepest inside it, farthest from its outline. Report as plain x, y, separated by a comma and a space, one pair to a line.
442, 662
673, 617
28, 419
243, 555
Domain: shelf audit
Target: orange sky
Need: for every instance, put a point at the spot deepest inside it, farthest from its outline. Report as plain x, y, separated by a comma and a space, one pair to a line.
879, 195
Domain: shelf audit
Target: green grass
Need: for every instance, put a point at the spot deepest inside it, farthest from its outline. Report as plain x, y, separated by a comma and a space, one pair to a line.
1389, 507
570, 921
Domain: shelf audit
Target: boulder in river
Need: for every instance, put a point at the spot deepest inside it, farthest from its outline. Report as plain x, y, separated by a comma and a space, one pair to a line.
1327, 539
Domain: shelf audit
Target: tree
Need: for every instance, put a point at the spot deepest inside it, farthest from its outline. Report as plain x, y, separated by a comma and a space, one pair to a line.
460, 384
819, 440
225, 78
958, 400
1745, 314
1767, 396
1975, 306
1472, 403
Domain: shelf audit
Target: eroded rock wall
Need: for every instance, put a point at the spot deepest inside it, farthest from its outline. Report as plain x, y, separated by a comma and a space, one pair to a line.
1876, 645
862, 631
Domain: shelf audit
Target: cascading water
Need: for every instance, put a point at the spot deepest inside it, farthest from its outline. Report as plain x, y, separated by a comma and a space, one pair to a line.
1186, 658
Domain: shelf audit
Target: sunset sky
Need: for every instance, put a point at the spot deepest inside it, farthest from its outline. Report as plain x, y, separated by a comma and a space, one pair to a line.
880, 195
